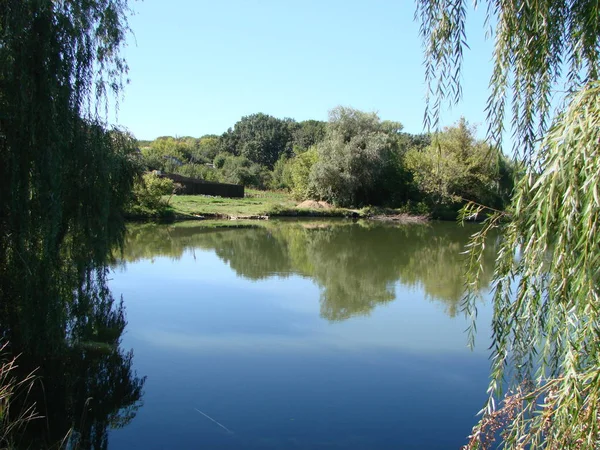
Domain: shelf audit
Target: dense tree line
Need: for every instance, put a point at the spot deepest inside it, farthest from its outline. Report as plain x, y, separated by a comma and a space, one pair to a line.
354, 159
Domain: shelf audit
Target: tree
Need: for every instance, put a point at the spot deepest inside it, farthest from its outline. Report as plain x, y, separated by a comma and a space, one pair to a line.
353, 156
166, 153
207, 149
260, 138
301, 167
308, 133
240, 170
456, 167
65, 178
546, 321
281, 176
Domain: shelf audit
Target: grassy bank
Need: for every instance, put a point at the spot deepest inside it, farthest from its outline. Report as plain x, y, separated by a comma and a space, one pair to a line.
257, 205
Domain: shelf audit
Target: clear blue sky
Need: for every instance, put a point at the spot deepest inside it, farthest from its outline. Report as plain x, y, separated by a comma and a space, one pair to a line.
197, 67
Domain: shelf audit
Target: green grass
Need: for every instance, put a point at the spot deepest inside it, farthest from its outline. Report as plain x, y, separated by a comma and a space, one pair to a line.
255, 203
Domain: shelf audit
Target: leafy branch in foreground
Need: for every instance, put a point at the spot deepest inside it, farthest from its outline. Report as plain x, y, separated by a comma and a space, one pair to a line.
546, 325
537, 44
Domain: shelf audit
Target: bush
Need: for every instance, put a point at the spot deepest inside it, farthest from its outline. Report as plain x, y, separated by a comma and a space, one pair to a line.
281, 176
457, 167
300, 168
199, 171
219, 160
148, 196
240, 170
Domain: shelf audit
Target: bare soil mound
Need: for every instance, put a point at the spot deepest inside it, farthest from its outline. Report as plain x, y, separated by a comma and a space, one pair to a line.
312, 204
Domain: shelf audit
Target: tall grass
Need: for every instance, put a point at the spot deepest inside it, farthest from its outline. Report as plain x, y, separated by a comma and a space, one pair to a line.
15, 410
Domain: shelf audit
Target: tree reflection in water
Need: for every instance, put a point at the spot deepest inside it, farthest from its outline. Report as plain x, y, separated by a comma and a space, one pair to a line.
85, 384
356, 264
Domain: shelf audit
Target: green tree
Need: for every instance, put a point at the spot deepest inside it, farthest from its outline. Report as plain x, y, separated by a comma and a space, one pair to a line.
300, 169
167, 153
207, 148
357, 149
260, 138
546, 321
308, 133
456, 167
148, 193
281, 176
240, 170
65, 178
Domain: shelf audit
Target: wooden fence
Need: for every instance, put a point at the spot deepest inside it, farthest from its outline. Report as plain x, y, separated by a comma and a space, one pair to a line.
195, 186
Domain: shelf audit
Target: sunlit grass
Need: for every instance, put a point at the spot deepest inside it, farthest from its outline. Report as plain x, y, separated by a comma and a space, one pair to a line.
255, 203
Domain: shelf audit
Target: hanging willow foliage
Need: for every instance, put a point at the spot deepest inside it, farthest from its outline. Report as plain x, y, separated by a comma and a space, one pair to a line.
536, 45
64, 180
546, 323
64, 177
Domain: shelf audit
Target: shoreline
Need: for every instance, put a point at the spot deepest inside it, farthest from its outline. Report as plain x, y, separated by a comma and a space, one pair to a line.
265, 205
401, 218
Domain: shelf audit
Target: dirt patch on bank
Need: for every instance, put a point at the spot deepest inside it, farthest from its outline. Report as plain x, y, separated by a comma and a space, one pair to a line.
312, 204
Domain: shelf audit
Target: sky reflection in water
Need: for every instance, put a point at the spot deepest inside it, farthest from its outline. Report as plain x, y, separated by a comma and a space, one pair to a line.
300, 335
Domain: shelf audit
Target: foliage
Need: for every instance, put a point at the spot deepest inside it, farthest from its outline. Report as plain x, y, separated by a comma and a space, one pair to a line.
206, 149
356, 159
200, 171
255, 137
352, 157
554, 217
149, 191
308, 133
12, 385
300, 170
167, 153
64, 182
281, 176
240, 170
536, 46
458, 167
260, 138
545, 321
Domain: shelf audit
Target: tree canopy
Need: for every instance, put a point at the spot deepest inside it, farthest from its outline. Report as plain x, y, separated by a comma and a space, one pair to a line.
353, 156
260, 138
456, 166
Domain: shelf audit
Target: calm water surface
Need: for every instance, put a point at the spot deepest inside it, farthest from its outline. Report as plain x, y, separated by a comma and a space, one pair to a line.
300, 335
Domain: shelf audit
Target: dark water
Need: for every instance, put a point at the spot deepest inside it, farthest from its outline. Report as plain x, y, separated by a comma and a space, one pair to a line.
300, 335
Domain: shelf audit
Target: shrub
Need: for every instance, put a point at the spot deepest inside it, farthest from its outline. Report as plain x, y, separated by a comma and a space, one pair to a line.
148, 195
281, 176
300, 169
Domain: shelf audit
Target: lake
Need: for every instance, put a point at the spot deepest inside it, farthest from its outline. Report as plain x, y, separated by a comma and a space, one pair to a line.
301, 335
